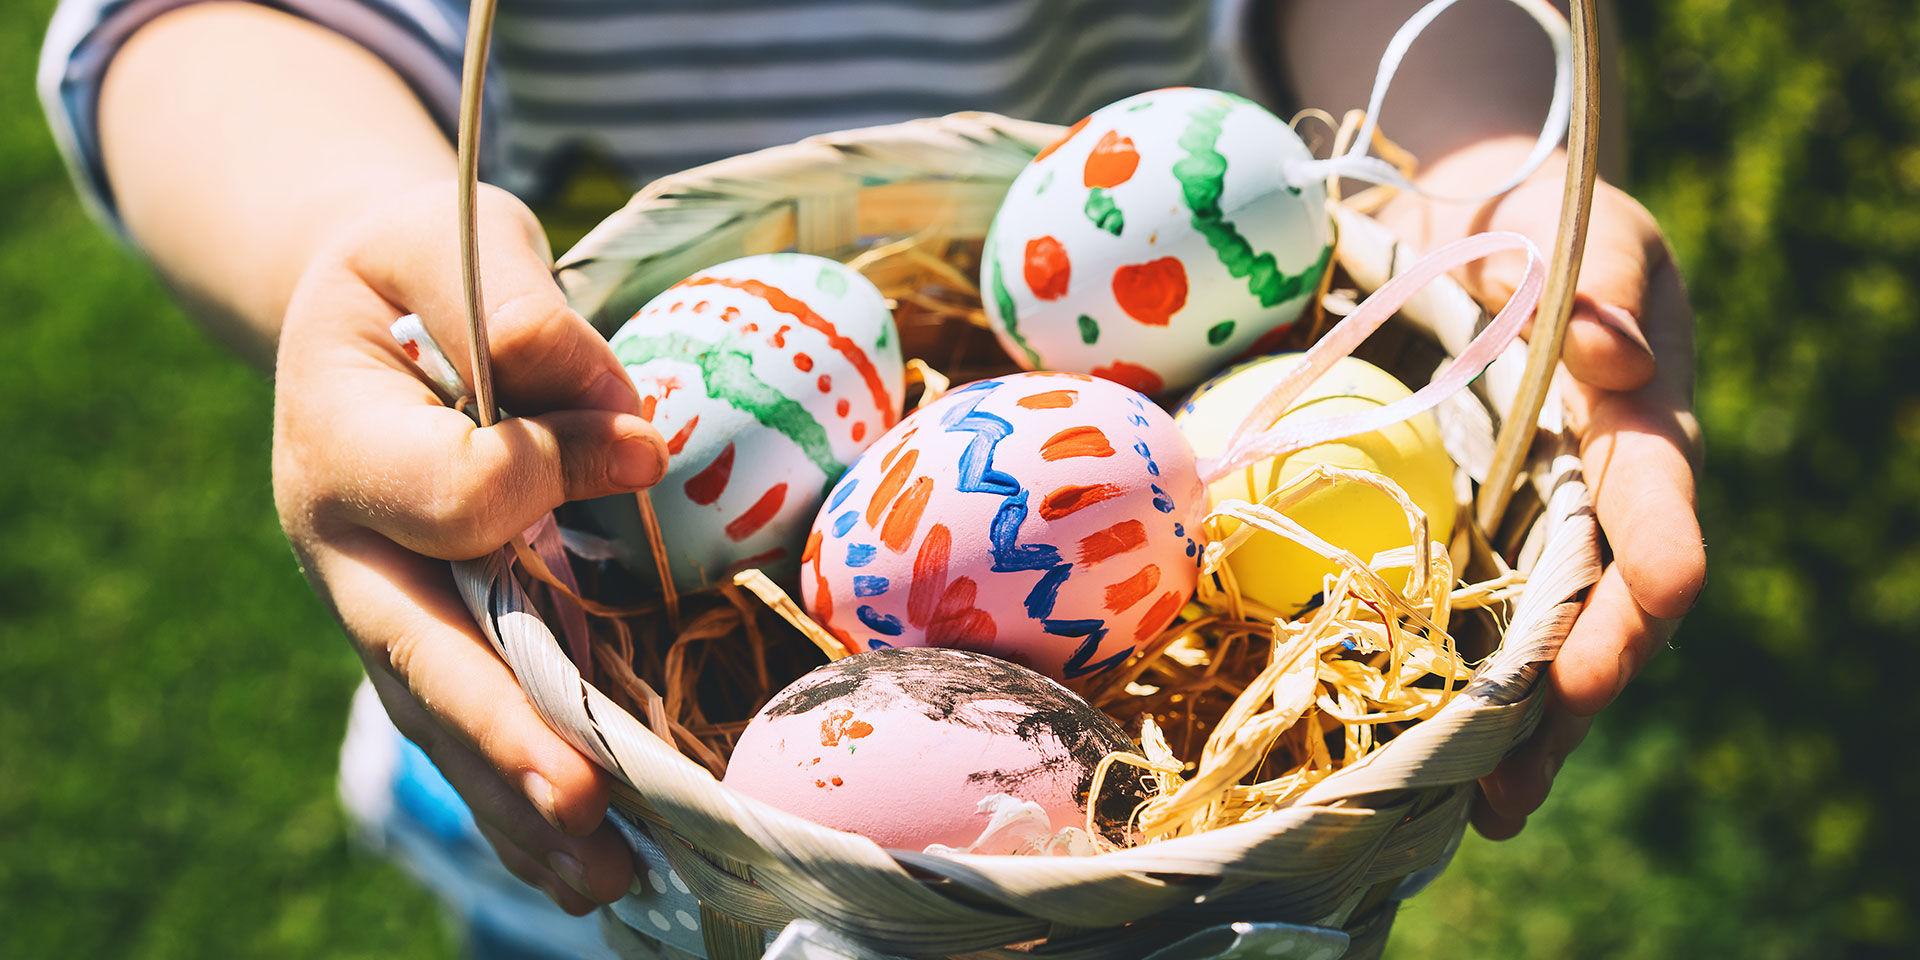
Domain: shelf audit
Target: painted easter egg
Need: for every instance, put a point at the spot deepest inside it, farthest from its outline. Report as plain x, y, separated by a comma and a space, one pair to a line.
902, 746
1275, 571
1048, 518
768, 375
1156, 242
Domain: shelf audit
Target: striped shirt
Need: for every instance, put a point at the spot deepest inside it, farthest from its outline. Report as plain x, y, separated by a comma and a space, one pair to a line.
654, 86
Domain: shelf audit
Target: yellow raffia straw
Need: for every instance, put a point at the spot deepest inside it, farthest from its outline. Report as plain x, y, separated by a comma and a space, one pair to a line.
776, 599
1367, 658
1263, 707
933, 381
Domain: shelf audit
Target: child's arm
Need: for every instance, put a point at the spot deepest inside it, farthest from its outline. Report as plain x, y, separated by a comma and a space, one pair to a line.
296, 193
236, 139
1468, 100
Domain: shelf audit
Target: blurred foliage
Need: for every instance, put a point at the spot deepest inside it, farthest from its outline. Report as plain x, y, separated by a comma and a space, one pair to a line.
1750, 793
172, 695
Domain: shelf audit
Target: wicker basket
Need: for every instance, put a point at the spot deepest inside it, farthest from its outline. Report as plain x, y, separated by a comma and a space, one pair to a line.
1320, 878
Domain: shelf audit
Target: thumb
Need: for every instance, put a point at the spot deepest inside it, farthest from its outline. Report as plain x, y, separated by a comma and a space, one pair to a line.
509, 475
545, 356
449, 489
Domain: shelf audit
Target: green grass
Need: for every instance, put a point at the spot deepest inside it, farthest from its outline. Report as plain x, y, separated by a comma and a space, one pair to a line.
172, 695
1741, 799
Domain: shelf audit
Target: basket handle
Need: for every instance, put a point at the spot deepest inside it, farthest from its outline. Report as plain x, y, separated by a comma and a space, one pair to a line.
473, 78
1563, 272
473, 74
1258, 437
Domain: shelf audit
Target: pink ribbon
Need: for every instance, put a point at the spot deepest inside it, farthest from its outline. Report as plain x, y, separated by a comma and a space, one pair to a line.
1252, 441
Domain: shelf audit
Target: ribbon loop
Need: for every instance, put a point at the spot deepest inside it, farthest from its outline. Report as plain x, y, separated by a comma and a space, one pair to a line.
1357, 165
1258, 437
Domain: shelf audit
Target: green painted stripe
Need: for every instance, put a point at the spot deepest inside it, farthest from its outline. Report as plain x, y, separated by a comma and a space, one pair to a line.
727, 369
1203, 177
1009, 318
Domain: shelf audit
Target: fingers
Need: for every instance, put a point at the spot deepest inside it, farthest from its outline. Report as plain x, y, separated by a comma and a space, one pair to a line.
475, 488
428, 478
1520, 784
595, 867
576, 872
1606, 346
545, 356
361, 442
1640, 451
1609, 644
1635, 452
579, 873
1611, 342
530, 872
444, 686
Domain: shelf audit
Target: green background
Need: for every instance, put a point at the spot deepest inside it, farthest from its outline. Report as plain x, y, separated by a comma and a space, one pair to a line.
172, 696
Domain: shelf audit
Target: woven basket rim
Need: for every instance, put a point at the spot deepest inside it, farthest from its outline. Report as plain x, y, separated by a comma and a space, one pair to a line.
694, 805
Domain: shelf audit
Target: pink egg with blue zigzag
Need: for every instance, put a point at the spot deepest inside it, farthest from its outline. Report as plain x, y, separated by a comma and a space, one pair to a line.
1050, 519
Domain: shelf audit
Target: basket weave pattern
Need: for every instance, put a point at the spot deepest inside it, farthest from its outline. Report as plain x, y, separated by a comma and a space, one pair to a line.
1332, 859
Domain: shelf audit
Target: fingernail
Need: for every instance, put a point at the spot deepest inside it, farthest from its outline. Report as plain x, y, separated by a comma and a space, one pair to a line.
611, 392
637, 462
540, 792
1619, 320
1552, 766
570, 871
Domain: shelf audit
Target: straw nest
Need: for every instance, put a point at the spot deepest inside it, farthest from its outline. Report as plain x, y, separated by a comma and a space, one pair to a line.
1303, 769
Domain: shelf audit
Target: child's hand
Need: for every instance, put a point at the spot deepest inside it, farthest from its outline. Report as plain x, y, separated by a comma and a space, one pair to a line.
1629, 396
377, 484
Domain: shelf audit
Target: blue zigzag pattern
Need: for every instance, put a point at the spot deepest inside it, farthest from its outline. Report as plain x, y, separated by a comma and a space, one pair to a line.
978, 475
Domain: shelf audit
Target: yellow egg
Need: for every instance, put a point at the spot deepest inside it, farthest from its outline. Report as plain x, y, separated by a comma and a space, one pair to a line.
1277, 572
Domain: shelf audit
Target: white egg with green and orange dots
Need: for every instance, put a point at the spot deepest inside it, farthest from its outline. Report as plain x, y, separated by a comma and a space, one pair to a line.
767, 376
1156, 242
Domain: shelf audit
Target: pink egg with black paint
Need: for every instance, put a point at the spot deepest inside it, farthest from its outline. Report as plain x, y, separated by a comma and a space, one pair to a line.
1156, 242
1052, 519
902, 745
767, 376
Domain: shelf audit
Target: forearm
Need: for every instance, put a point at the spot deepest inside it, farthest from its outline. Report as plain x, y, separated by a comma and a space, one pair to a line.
1482, 72
236, 139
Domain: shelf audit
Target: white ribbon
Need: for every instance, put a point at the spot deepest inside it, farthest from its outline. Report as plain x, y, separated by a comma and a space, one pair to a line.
1357, 165
1262, 435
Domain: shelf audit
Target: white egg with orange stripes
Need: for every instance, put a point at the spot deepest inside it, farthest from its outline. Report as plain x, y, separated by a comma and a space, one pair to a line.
1156, 242
767, 376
